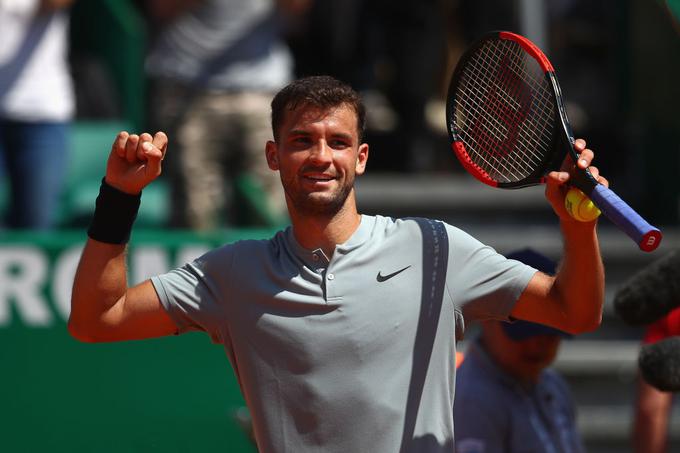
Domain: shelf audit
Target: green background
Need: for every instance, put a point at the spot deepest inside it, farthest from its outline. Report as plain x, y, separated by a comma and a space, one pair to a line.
170, 394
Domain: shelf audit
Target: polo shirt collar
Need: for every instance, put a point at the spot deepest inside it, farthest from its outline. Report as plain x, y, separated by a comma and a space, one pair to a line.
316, 258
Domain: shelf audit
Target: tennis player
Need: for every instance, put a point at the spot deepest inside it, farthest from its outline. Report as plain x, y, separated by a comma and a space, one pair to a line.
342, 328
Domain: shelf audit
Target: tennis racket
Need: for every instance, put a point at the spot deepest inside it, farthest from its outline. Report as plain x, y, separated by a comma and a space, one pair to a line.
508, 126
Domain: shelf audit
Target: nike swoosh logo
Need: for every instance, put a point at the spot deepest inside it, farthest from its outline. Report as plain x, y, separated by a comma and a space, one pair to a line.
382, 278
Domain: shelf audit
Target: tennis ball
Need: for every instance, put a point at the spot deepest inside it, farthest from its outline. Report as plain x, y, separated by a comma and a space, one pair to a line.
580, 207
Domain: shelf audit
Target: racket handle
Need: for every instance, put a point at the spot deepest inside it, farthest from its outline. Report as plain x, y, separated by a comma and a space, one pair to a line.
630, 222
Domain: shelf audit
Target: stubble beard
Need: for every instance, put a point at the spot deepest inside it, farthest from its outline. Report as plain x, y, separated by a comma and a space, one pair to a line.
326, 204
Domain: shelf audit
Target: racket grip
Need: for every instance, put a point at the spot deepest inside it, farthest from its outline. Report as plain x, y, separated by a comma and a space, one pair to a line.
623, 216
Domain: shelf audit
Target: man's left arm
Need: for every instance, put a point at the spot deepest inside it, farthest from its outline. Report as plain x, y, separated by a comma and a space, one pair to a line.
572, 300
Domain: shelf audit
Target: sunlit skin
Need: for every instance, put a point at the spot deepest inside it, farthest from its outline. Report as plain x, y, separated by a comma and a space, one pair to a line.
318, 155
523, 359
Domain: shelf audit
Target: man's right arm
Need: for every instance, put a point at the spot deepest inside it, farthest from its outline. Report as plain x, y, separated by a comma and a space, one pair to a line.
103, 308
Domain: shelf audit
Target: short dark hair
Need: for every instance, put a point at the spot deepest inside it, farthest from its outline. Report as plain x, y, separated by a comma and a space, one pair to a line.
319, 91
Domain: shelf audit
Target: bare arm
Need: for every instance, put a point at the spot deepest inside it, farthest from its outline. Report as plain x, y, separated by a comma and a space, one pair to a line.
650, 428
572, 300
103, 308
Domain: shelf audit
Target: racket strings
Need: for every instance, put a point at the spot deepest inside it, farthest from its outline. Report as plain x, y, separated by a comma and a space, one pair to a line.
490, 130
492, 125
503, 111
508, 92
491, 160
518, 63
516, 83
510, 87
541, 92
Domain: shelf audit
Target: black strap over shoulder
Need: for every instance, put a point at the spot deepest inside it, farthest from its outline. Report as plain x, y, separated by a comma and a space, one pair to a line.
435, 265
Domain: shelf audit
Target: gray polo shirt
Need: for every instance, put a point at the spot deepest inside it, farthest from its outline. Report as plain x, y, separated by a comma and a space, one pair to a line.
351, 354
493, 413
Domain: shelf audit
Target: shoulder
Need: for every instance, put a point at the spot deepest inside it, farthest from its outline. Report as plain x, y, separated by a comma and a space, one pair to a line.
243, 251
478, 384
480, 403
383, 227
420, 226
455, 236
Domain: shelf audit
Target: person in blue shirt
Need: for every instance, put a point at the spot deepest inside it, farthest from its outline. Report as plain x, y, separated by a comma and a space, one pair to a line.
507, 398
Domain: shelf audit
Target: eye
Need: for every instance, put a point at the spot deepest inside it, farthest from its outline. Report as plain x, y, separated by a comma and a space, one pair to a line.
301, 140
338, 143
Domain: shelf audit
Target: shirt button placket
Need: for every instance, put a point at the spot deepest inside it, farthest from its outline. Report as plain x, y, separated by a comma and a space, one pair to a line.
330, 285
321, 265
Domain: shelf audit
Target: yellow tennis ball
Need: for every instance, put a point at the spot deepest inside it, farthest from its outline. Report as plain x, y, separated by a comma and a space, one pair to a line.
580, 207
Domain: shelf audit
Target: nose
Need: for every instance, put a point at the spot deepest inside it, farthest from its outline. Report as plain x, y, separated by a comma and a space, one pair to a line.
321, 152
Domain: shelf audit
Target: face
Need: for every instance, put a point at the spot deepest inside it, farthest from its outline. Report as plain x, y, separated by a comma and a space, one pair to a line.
318, 156
535, 353
524, 358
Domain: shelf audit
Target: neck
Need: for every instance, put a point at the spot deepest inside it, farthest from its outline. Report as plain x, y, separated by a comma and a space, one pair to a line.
325, 231
526, 381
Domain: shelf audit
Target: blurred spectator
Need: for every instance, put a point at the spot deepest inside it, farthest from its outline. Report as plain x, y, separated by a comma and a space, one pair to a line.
507, 399
395, 54
409, 49
653, 407
215, 65
36, 107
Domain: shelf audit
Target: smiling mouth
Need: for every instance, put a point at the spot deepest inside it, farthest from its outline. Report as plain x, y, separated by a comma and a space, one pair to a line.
319, 178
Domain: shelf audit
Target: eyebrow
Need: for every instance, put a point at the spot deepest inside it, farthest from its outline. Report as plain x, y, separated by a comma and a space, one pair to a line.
342, 136
298, 132
334, 135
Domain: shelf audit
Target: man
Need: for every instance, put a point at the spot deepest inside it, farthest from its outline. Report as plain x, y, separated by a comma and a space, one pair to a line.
653, 407
508, 399
37, 105
341, 329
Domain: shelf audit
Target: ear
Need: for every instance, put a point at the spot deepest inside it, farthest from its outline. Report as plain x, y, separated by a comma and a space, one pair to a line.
271, 152
362, 158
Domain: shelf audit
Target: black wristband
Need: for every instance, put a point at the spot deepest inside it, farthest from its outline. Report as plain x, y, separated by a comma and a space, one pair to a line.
114, 215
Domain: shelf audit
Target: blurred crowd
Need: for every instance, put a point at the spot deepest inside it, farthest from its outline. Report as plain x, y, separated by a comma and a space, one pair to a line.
205, 70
